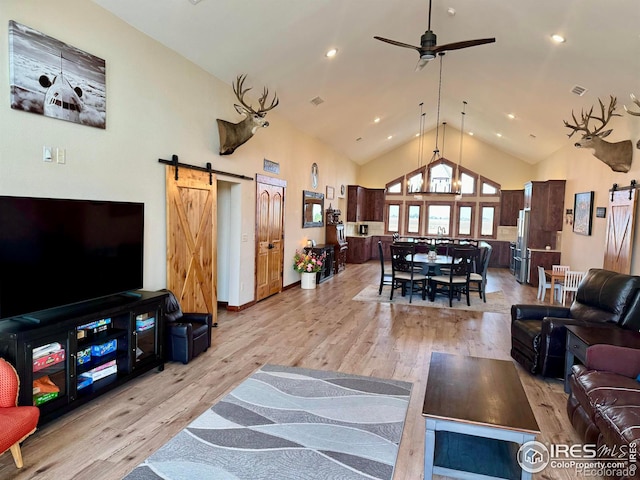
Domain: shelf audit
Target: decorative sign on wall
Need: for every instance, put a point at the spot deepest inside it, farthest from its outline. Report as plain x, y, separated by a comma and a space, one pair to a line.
52, 78
601, 212
582, 213
272, 167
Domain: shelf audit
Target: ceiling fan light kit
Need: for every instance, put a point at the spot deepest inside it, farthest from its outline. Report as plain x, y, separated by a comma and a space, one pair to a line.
428, 44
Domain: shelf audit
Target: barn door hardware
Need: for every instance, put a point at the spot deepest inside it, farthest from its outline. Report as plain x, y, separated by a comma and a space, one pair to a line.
633, 185
177, 165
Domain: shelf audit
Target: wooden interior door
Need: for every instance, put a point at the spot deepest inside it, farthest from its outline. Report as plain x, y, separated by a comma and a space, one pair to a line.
620, 228
191, 240
269, 235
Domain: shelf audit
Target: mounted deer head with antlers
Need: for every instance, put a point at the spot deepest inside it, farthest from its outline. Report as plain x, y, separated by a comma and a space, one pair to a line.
637, 102
617, 155
232, 135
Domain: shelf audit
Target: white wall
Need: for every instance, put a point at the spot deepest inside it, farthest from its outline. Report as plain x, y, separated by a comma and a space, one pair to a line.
158, 104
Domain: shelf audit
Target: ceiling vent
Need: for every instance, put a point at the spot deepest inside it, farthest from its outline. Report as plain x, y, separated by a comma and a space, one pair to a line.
316, 101
578, 90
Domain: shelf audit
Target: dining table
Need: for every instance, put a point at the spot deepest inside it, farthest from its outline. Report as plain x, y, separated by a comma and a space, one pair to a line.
554, 277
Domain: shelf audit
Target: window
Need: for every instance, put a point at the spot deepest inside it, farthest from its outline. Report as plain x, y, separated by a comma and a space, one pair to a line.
415, 181
394, 187
488, 218
439, 219
440, 177
392, 217
489, 188
465, 219
414, 218
468, 181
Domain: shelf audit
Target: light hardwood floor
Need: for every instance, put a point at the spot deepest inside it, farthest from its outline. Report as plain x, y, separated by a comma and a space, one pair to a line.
320, 329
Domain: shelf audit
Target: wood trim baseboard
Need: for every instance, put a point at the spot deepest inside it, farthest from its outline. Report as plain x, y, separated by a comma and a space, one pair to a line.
238, 308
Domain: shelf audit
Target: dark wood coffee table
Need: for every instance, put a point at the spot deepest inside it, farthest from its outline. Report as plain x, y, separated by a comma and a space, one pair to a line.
580, 337
477, 417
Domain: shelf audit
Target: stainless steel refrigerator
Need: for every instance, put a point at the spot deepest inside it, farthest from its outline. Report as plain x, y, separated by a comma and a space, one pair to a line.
521, 254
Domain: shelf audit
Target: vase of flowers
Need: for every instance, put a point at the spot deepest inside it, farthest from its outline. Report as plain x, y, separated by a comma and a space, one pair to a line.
308, 264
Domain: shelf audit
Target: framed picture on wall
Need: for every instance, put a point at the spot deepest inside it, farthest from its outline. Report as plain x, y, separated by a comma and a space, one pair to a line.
330, 192
582, 213
55, 79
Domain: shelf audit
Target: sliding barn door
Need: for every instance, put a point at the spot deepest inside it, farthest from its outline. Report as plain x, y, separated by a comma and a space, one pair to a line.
620, 227
191, 240
269, 235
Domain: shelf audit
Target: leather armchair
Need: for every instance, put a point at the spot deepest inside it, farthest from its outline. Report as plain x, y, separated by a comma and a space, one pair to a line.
188, 334
538, 333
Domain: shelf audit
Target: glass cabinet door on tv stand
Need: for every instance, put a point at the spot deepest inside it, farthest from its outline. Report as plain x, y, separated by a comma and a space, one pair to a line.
47, 362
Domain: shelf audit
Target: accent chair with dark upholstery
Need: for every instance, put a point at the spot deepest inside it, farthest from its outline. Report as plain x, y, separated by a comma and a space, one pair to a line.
188, 334
538, 333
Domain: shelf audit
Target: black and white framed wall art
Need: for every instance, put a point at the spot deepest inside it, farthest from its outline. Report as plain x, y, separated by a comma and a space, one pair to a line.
52, 78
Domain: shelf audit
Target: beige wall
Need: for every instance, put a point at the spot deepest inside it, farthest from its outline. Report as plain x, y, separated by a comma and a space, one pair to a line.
158, 104
584, 173
510, 172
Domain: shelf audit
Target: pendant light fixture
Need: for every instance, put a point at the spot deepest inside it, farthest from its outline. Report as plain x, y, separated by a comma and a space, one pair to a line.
436, 151
457, 186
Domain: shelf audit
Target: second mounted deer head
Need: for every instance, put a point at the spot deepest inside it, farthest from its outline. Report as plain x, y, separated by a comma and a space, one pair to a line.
617, 155
232, 135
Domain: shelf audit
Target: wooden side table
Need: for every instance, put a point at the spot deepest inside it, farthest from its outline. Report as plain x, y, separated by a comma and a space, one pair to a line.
580, 337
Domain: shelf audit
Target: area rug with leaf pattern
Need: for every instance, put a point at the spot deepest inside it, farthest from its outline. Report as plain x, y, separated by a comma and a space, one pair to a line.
290, 423
496, 301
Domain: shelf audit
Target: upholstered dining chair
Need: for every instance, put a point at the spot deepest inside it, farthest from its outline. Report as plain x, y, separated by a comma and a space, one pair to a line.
16, 423
386, 275
405, 273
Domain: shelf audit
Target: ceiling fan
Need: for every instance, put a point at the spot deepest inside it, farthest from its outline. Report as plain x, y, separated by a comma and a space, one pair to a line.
428, 47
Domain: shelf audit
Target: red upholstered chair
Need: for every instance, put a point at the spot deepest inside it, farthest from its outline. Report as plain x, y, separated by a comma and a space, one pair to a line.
16, 423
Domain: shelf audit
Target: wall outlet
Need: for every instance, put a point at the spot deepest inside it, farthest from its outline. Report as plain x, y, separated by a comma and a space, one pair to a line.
245, 237
46, 154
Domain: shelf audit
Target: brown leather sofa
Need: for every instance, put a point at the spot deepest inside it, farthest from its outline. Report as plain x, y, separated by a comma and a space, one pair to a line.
604, 403
538, 333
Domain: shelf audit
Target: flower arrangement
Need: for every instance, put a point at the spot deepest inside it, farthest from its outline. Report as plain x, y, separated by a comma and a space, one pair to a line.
308, 262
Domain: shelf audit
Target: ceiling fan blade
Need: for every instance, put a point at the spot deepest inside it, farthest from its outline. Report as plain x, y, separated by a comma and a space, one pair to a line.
421, 64
398, 44
464, 44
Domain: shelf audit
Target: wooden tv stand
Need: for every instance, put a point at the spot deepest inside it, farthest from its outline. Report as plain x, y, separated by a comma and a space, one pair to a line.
68, 356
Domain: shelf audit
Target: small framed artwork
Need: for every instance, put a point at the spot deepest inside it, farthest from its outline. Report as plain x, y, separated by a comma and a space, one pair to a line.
582, 213
330, 192
601, 212
342, 192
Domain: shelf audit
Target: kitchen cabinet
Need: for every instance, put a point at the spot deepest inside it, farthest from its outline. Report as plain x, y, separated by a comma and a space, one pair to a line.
546, 200
365, 204
500, 254
511, 202
544, 258
359, 250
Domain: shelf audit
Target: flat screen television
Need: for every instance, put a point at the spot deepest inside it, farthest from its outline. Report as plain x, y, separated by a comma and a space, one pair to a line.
56, 252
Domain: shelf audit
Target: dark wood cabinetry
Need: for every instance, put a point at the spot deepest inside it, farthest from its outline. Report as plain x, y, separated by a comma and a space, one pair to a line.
328, 267
365, 204
500, 254
335, 236
68, 356
544, 258
546, 200
359, 249
511, 202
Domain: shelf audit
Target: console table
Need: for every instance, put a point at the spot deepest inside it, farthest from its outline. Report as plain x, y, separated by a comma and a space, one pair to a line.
579, 338
327, 269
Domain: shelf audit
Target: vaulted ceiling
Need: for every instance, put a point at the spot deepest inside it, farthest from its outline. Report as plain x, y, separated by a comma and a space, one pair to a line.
281, 44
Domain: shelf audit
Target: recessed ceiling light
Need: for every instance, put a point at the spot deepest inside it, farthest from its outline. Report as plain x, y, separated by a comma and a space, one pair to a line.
556, 37
511, 116
195, 2
499, 135
418, 134
471, 133
376, 120
451, 11
389, 137
331, 53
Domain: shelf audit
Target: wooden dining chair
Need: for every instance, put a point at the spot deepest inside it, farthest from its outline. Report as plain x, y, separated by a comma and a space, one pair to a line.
386, 275
571, 281
456, 280
405, 273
